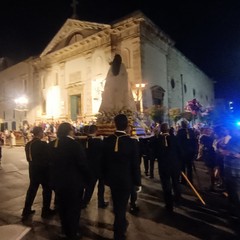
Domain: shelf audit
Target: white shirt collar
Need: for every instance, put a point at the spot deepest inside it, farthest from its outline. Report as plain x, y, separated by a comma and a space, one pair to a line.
121, 131
70, 137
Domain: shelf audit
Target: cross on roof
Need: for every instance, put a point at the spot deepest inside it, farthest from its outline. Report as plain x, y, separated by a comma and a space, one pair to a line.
74, 6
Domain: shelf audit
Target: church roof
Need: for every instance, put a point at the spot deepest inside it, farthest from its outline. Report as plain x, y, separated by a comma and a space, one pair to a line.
73, 30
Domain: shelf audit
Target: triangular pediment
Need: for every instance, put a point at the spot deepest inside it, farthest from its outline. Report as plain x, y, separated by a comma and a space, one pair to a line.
73, 31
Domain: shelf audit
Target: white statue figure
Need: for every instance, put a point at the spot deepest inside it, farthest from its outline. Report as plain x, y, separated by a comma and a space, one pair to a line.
117, 94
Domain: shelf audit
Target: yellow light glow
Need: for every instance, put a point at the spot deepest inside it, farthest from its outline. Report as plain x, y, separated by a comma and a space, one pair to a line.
97, 89
53, 102
21, 100
140, 85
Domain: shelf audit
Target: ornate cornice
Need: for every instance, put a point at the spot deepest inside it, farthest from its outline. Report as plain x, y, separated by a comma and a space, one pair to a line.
147, 26
137, 24
71, 26
99, 39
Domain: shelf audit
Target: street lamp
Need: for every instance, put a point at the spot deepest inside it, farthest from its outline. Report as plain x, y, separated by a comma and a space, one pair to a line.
139, 95
21, 105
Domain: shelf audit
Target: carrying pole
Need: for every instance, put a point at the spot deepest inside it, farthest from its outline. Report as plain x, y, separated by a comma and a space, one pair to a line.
193, 188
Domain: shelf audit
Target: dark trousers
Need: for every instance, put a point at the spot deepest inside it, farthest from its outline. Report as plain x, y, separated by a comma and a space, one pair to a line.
148, 163
170, 186
69, 207
38, 177
187, 167
90, 189
120, 199
133, 196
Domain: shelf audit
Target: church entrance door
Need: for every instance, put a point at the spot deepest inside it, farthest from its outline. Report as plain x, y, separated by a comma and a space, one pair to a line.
75, 101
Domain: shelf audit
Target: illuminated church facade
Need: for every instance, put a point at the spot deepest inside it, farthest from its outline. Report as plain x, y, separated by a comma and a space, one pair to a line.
65, 82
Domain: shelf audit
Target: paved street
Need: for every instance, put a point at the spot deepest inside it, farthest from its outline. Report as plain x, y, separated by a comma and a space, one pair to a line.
190, 221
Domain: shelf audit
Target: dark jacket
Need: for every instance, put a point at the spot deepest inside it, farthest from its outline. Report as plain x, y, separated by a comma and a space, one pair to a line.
94, 149
168, 152
121, 167
208, 152
188, 142
146, 146
37, 152
68, 164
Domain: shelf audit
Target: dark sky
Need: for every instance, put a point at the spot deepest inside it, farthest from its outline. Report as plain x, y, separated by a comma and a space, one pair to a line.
205, 31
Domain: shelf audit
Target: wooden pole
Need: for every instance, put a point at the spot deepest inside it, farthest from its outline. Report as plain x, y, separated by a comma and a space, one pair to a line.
193, 188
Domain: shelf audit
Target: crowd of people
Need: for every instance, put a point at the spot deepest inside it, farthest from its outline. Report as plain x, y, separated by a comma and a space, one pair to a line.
70, 167
71, 163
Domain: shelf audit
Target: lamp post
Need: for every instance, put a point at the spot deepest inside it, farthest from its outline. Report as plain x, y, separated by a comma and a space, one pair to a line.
21, 105
139, 95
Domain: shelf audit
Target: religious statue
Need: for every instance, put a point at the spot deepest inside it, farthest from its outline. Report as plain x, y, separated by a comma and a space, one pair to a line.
117, 95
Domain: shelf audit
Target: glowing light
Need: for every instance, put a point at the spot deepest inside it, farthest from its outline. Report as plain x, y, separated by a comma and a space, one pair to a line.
97, 89
21, 103
140, 85
53, 102
139, 95
21, 100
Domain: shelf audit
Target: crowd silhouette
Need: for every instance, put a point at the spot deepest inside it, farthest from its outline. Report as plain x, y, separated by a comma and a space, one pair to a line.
70, 161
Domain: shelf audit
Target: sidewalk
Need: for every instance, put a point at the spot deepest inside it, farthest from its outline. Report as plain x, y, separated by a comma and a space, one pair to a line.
190, 221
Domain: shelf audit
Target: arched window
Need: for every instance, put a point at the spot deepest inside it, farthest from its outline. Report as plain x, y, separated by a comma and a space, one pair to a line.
194, 92
75, 38
172, 83
157, 95
185, 88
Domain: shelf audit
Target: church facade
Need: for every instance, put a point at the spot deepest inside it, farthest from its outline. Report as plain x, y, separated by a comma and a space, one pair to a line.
65, 82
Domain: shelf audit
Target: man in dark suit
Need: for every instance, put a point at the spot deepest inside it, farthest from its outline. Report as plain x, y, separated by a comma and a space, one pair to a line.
69, 173
94, 147
168, 155
121, 171
189, 148
147, 153
37, 154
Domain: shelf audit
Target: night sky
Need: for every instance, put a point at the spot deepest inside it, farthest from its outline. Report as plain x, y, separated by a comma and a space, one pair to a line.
205, 31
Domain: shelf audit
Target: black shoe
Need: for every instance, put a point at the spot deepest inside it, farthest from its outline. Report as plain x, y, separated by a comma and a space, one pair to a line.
48, 213
134, 210
169, 208
119, 236
28, 212
78, 236
177, 199
103, 205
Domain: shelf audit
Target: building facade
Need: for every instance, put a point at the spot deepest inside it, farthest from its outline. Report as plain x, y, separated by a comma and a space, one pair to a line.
66, 80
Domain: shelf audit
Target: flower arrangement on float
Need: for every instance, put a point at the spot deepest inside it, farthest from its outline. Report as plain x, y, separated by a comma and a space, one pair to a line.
108, 117
194, 107
207, 116
193, 110
106, 126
